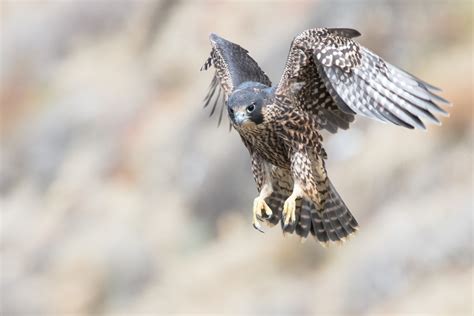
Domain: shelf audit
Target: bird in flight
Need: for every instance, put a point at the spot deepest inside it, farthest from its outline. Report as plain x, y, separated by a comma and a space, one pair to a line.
327, 80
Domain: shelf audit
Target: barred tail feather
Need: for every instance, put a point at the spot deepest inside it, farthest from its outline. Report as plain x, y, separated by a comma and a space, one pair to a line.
303, 225
335, 221
275, 202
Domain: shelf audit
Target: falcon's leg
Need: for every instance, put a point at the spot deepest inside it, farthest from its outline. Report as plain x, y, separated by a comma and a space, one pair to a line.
261, 172
259, 204
304, 184
289, 208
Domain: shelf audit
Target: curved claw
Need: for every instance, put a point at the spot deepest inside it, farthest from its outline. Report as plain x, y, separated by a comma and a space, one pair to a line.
286, 225
264, 216
267, 215
257, 227
261, 211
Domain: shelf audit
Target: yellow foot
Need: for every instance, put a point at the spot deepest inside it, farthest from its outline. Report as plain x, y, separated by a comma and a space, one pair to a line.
289, 210
260, 205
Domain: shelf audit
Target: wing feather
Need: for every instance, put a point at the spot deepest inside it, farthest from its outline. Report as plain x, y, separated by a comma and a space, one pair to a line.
358, 81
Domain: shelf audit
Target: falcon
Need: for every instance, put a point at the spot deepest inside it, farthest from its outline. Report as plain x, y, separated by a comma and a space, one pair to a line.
327, 80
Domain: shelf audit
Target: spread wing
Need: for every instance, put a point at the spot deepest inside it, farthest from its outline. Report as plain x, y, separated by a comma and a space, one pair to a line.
233, 66
330, 75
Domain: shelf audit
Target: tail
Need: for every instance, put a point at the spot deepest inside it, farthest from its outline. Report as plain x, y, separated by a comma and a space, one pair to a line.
334, 222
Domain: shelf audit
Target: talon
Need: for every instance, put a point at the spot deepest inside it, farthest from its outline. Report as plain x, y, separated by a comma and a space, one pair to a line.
264, 216
256, 225
289, 211
260, 211
267, 210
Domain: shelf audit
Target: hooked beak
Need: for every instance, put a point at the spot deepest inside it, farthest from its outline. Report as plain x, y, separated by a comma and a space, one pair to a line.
241, 119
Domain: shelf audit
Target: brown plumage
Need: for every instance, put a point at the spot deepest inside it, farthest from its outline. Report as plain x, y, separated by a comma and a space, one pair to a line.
328, 79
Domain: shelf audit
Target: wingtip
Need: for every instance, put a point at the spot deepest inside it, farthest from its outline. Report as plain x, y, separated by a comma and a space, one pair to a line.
420, 126
214, 38
436, 108
429, 86
432, 119
347, 32
442, 100
356, 33
219, 42
438, 123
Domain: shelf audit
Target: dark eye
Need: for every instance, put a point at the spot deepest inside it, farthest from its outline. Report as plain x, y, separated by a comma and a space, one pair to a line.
231, 110
250, 108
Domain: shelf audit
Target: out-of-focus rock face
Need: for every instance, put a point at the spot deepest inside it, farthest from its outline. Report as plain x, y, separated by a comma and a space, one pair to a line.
119, 195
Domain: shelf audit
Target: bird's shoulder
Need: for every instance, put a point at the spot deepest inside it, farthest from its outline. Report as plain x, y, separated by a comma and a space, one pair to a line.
296, 126
283, 112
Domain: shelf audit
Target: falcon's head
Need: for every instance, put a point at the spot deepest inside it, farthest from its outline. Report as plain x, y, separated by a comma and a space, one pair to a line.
246, 104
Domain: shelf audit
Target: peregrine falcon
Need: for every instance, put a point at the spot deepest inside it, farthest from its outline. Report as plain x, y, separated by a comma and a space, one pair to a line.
327, 80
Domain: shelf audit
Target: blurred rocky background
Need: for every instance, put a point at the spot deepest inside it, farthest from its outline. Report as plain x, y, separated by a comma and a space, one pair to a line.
119, 196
